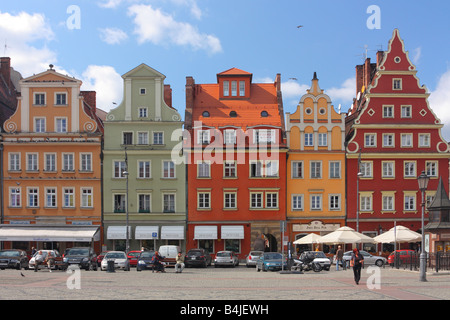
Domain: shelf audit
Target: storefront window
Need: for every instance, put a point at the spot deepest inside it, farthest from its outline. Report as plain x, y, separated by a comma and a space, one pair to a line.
233, 245
207, 245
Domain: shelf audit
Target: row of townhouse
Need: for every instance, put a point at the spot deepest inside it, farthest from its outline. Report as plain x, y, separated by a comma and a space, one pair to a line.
241, 175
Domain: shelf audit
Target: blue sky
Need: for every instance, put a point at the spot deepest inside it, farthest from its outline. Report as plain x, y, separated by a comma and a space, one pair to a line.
97, 41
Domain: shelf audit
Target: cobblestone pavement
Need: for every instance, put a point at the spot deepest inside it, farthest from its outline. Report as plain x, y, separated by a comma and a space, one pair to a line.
239, 283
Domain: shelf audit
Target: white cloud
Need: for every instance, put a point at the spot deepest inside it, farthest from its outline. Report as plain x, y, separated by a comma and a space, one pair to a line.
157, 27
106, 82
113, 35
110, 3
345, 93
292, 89
417, 55
440, 103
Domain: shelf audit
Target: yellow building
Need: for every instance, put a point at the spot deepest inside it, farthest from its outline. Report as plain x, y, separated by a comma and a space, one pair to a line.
315, 166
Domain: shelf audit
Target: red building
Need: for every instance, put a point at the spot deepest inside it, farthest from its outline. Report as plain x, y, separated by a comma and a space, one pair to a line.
394, 135
236, 154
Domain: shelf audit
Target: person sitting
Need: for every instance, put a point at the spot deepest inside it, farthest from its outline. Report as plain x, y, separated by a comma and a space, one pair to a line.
38, 259
50, 260
157, 263
179, 266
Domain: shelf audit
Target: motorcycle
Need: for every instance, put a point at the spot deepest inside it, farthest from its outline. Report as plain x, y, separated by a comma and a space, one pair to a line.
306, 263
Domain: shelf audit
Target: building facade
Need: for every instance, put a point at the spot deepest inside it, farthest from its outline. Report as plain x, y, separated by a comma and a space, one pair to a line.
392, 136
315, 166
52, 170
139, 140
236, 157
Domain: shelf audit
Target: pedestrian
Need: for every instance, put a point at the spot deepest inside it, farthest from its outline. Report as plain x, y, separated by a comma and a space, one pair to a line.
38, 259
340, 258
179, 263
157, 263
50, 260
33, 251
356, 262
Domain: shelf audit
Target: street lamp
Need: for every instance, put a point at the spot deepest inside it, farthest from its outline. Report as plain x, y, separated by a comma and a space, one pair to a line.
423, 183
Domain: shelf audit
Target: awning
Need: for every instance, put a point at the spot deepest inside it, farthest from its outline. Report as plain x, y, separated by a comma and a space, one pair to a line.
172, 232
232, 232
118, 233
49, 233
146, 232
205, 232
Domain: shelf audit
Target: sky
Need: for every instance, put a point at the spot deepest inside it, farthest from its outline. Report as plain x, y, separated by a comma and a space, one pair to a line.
97, 41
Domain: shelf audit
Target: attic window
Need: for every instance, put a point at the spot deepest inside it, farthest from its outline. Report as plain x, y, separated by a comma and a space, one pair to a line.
233, 114
205, 114
264, 114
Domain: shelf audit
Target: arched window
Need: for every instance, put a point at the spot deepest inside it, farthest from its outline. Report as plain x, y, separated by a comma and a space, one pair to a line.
264, 114
205, 114
233, 114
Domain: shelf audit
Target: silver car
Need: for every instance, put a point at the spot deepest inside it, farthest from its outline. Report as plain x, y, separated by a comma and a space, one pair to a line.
252, 257
368, 258
120, 260
226, 258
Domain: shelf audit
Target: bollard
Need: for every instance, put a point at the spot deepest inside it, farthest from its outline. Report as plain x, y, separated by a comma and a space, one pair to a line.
110, 266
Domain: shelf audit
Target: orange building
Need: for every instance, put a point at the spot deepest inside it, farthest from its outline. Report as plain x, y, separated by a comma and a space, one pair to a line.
51, 182
236, 169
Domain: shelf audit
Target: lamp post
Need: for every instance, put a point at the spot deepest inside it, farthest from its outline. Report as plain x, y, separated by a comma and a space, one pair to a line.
126, 173
423, 183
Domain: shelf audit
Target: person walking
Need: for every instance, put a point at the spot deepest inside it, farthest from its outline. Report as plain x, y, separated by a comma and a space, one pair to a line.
340, 258
179, 266
356, 262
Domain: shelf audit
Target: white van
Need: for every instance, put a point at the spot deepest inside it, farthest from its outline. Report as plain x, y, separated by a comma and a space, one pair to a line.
169, 252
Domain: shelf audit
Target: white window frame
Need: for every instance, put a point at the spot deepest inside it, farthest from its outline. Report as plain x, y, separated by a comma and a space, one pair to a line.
65, 99
409, 169
230, 200
323, 139
332, 169
406, 140
431, 168
204, 169
313, 169
40, 124
170, 166
388, 111
32, 163
142, 138
231, 166
158, 138
14, 161
256, 200
397, 84
86, 162
170, 195
121, 166
424, 140
315, 202
269, 201
51, 162
61, 124
388, 169
406, 111
388, 140
334, 202
370, 140
146, 201
15, 197
68, 164
68, 196
51, 198
87, 197
32, 197
144, 169
295, 199
41, 94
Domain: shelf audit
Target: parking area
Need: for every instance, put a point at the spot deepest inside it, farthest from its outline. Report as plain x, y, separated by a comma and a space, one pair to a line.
239, 283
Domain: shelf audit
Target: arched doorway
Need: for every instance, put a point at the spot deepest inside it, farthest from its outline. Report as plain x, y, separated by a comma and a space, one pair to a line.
271, 244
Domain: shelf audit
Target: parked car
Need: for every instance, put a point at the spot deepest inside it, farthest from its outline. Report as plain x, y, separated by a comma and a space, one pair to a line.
226, 258
133, 257
120, 260
368, 258
144, 261
270, 261
85, 257
169, 252
59, 261
406, 256
13, 258
197, 257
100, 258
320, 258
252, 257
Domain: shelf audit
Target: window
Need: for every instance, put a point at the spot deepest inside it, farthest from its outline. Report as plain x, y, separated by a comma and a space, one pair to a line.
230, 136
204, 200
388, 111
271, 200
144, 169
226, 88
297, 169
410, 202
388, 140
406, 112
370, 140
86, 162
410, 169
335, 170
14, 161
120, 203
168, 169
233, 88
256, 169
229, 199
229, 169
158, 138
309, 141
169, 203
397, 84
68, 164
315, 169
142, 91
61, 125
39, 99
316, 202
50, 198
14, 198
203, 137
32, 162
205, 114
323, 139
297, 202
256, 200
39, 124
264, 114
387, 169
424, 140
431, 168
242, 88
86, 198
61, 99
365, 203
335, 202
33, 198
204, 170
388, 203
50, 162
119, 168
233, 114
366, 169
144, 203
69, 197
406, 140
271, 168
143, 138
264, 136
127, 138
143, 112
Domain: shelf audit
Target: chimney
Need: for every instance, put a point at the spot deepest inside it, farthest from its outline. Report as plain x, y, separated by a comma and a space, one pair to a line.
190, 97
367, 73
359, 78
5, 69
90, 97
168, 95
380, 55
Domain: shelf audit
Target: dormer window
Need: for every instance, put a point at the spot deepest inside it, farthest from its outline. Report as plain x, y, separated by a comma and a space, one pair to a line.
233, 88
242, 88
233, 114
205, 114
264, 114
226, 88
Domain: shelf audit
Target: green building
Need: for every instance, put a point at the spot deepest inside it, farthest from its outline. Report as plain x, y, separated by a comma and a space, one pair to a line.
138, 165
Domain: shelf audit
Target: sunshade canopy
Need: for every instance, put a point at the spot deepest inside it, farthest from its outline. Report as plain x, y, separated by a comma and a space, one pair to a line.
345, 235
398, 234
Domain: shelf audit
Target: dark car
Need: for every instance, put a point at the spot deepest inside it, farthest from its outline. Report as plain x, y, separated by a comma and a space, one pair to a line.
144, 261
197, 257
85, 257
13, 258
